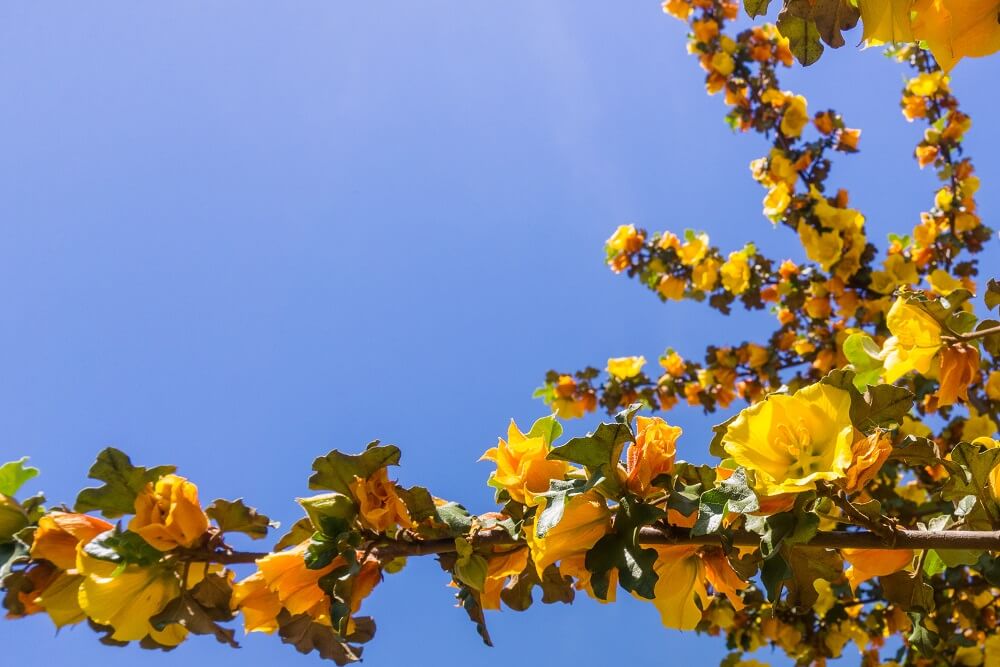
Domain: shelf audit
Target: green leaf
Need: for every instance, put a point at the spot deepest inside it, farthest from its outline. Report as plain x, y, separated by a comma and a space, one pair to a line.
802, 33
806, 565
992, 296
976, 462
122, 483
620, 550
715, 447
732, 495
300, 531
236, 517
861, 350
787, 528
468, 599
880, 406
547, 428
907, 591
14, 474
756, 8
307, 636
189, 613
13, 518
336, 471
832, 17
596, 450
991, 343
123, 548
329, 513
922, 640
774, 572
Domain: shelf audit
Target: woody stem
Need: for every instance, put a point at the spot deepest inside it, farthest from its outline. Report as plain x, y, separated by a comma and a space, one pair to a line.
833, 539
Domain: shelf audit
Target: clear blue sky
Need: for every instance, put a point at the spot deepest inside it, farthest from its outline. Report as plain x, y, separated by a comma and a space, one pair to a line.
234, 235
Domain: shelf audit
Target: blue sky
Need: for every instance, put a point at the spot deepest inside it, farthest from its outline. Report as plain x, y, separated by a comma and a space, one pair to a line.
235, 235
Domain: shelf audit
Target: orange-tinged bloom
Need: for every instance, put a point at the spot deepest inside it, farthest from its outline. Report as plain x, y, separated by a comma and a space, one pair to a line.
297, 587
258, 603
500, 567
59, 533
522, 467
652, 454
585, 520
723, 578
379, 505
959, 370
168, 514
869, 563
868, 455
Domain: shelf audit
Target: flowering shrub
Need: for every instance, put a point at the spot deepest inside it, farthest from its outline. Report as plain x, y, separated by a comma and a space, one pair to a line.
855, 497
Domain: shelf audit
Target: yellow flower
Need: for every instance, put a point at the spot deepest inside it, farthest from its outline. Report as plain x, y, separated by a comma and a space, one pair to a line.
652, 454
796, 116
671, 287
694, 248
125, 599
705, 275
886, 21
736, 272
522, 468
500, 567
723, 63
956, 29
993, 385
258, 603
869, 563
897, 272
626, 239
585, 520
168, 515
59, 533
824, 248
792, 441
978, 426
776, 201
681, 579
624, 368
61, 600
942, 282
916, 338
379, 506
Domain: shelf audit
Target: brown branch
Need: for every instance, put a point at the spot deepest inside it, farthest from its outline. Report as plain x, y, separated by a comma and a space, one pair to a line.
834, 539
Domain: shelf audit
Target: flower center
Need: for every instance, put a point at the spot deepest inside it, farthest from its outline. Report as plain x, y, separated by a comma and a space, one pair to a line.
797, 440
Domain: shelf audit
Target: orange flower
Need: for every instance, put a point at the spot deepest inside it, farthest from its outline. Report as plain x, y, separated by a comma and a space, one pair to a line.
652, 454
959, 370
501, 566
379, 506
59, 534
869, 563
522, 467
168, 514
868, 456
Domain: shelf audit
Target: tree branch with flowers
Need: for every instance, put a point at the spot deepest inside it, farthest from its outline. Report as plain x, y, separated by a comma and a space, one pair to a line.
855, 497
